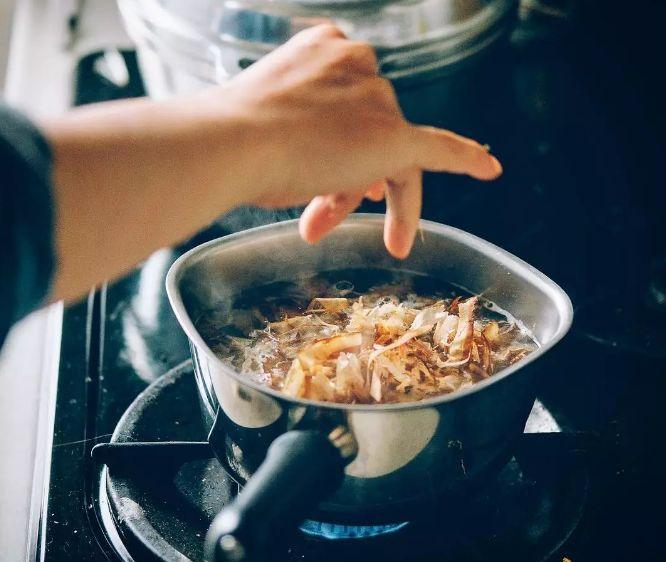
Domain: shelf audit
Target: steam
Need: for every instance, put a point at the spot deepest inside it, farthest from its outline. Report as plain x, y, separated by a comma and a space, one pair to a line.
243, 218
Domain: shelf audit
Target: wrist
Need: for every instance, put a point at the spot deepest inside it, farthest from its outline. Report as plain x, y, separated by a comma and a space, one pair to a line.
237, 146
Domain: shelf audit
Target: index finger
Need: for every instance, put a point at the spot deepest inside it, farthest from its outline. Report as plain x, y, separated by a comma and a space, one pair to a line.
438, 150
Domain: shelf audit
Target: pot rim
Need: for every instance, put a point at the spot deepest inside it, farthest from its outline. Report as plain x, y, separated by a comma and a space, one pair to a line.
557, 294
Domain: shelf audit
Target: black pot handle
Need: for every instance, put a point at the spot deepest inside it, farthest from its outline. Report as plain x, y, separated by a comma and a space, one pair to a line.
301, 468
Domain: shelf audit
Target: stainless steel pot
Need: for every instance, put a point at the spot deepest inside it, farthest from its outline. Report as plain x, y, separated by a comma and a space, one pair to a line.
395, 457
184, 45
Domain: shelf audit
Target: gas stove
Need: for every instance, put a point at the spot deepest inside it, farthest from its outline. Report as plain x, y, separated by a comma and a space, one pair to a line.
159, 494
584, 482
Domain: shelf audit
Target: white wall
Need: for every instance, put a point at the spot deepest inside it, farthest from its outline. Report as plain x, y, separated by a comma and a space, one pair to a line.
39, 71
6, 12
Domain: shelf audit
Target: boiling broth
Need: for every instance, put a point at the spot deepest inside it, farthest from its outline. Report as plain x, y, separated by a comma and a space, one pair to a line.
281, 335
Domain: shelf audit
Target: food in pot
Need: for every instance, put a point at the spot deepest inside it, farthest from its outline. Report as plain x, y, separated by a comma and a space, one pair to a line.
385, 344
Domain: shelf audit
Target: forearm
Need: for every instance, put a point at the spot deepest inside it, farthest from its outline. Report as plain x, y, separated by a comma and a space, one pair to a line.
134, 176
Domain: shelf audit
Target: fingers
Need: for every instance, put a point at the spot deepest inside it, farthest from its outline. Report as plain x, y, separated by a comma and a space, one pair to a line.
438, 150
376, 191
324, 213
403, 210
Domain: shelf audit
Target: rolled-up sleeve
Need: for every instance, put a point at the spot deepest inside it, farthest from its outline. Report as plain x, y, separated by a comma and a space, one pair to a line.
26, 218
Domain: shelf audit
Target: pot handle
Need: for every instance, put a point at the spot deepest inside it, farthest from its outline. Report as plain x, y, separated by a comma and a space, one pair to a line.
301, 468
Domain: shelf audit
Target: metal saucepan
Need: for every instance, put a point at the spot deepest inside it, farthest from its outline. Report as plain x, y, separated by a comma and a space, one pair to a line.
354, 463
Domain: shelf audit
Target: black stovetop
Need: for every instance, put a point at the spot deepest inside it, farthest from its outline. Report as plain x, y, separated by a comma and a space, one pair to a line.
161, 491
569, 203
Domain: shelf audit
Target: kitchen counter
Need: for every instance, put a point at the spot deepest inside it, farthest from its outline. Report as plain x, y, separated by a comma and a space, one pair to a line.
28, 375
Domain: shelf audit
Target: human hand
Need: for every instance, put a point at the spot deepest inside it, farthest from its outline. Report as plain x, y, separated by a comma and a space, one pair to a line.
332, 132
311, 122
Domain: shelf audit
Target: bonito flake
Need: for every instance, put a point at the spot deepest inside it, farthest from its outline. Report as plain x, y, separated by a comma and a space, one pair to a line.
377, 348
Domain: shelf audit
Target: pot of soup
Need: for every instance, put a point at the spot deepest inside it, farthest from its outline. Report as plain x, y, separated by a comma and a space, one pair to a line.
347, 386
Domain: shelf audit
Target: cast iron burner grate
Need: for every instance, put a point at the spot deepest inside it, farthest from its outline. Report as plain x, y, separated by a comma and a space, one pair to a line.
159, 507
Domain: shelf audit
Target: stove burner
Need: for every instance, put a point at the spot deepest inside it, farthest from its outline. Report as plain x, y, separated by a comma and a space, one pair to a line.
162, 510
331, 531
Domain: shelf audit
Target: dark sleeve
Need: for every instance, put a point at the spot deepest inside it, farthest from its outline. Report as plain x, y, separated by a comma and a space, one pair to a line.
26, 218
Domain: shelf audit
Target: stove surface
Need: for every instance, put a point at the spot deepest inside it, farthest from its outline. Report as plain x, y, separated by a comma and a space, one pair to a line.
567, 203
160, 504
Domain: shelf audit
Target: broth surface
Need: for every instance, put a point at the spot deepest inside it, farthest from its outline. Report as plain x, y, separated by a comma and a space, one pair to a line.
364, 336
